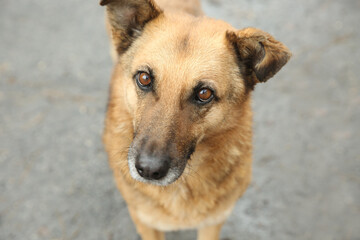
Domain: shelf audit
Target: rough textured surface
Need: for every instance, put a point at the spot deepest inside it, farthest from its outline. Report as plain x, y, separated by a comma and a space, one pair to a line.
54, 72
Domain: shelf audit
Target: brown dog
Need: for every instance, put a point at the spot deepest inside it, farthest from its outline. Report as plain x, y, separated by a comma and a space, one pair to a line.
179, 122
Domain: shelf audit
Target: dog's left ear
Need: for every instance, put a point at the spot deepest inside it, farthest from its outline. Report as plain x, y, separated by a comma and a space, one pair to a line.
260, 56
128, 18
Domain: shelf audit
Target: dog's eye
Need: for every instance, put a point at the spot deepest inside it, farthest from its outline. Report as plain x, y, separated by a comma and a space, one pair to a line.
143, 80
204, 95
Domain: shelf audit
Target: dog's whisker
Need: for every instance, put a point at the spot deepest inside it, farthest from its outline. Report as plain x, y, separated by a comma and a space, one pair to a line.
193, 174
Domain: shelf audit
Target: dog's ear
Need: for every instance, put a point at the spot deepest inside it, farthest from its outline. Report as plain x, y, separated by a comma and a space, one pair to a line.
127, 19
259, 55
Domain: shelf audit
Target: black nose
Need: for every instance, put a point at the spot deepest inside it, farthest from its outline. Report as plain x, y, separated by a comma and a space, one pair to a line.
152, 168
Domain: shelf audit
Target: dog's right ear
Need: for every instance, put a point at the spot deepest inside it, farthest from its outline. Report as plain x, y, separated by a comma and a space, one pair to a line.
128, 18
260, 56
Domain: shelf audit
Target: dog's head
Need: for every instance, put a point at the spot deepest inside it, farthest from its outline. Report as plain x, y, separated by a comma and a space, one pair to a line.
186, 79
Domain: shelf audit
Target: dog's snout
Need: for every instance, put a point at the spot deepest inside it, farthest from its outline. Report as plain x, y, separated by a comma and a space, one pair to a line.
152, 168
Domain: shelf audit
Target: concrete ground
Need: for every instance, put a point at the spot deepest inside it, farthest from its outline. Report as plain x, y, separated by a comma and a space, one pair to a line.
54, 73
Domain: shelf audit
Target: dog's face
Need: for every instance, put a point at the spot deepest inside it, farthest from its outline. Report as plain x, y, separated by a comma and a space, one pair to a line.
184, 81
186, 78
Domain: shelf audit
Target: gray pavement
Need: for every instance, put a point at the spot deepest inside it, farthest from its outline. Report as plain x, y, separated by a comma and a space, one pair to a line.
54, 72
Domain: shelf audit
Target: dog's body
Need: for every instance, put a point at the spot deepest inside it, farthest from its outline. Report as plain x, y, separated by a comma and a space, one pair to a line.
179, 122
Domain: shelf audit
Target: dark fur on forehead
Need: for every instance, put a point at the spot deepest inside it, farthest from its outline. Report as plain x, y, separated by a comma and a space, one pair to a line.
184, 43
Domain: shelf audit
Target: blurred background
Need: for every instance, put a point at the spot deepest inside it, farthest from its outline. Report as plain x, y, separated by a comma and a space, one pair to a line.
55, 68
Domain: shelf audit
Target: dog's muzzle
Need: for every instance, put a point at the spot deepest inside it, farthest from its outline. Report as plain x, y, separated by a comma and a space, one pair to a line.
156, 167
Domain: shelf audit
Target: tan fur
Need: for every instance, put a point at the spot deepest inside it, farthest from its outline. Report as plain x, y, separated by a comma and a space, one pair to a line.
192, 7
183, 49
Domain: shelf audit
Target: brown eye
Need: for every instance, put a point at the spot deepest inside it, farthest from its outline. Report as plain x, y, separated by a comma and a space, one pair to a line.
205, 95
143, 80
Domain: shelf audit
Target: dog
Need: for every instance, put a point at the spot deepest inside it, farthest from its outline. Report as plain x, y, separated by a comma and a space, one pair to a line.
178, 128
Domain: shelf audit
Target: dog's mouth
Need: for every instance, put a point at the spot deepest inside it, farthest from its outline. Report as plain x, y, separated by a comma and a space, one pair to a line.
161, 169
